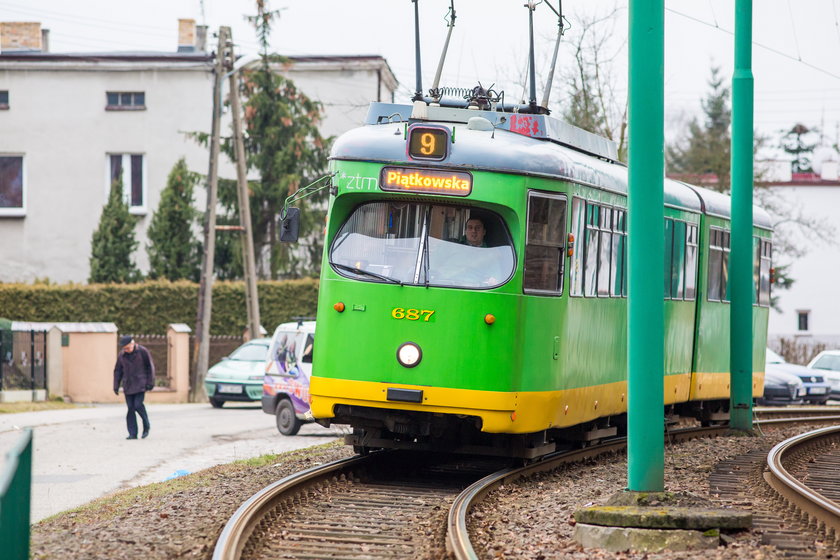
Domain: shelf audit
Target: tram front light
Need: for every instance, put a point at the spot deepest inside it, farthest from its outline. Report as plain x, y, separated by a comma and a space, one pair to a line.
409, 354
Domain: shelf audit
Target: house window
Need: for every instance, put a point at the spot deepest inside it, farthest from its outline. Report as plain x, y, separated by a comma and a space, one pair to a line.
11, 186
128, 168
125, 101
802, 320
4, 99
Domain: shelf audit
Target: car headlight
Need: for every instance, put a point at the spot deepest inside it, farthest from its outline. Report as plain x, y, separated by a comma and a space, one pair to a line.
409, 354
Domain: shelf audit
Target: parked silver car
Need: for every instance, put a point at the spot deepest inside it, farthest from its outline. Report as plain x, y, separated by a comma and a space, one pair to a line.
817, 390
828, 362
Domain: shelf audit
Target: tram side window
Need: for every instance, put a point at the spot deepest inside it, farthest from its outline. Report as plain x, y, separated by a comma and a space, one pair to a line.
764, 273
691, 262
718, 264
545, 244
618, 281
669, 253
590, 267
680, 259
605, 251
576, 265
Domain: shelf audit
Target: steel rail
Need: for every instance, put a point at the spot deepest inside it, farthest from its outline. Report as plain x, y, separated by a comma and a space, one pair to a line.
240, 526
457, 537
822, 509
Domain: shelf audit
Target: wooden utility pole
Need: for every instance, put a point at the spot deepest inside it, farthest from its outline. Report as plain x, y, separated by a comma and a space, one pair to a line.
251, 298
201, 349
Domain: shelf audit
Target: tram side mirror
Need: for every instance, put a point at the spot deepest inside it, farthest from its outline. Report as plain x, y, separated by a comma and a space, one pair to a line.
290, 226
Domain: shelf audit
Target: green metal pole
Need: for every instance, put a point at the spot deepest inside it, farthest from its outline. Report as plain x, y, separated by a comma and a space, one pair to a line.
645, 305
740, 266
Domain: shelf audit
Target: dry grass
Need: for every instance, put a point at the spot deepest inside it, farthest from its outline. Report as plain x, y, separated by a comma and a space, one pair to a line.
12, 408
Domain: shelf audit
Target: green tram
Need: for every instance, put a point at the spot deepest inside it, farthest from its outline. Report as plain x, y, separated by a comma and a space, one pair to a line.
473, 294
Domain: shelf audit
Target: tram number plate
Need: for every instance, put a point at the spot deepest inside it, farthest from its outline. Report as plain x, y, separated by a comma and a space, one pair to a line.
424, 315
233, 389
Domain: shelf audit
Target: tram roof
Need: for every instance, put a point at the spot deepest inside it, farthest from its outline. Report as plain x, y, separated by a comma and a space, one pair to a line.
547, 148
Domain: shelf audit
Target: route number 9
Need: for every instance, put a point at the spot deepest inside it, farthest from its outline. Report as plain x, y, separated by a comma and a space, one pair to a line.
428, 143
412, 314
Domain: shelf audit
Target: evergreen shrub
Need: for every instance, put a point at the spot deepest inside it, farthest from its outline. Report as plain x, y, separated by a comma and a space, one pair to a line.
148, 307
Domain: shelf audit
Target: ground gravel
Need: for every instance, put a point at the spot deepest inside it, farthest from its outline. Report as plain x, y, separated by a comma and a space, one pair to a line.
535, 518
182, 518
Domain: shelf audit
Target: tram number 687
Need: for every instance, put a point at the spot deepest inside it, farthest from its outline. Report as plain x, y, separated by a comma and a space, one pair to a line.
412, 314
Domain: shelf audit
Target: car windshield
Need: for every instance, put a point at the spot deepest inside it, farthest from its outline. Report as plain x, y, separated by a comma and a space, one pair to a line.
250, 352
829, 362
773, 358
424, 244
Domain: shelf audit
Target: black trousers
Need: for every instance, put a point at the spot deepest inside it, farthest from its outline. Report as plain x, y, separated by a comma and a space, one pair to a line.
135, 404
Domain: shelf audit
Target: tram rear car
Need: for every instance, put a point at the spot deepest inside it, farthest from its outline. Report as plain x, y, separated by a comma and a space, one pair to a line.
515, 344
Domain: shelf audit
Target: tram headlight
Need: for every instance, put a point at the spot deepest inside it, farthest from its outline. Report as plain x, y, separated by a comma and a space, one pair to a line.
409, 354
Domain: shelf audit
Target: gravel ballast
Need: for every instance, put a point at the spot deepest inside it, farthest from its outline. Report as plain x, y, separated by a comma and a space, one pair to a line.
182, 518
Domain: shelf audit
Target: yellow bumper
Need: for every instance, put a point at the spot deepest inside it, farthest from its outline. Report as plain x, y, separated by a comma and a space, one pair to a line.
500, 412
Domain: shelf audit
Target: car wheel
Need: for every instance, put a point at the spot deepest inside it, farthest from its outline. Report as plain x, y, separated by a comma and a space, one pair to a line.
216, 403
287, 423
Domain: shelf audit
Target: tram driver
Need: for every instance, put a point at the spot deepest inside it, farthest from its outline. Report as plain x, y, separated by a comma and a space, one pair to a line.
474, 233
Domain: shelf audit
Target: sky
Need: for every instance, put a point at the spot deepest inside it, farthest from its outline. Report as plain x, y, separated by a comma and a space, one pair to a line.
796, 44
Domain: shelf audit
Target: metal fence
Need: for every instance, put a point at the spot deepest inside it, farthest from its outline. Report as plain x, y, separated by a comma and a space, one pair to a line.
23, 360
15, 499
220, 346
158, 347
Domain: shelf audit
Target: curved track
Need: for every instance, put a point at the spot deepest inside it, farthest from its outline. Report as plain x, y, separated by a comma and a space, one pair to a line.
803, 471
384, 505
396, 504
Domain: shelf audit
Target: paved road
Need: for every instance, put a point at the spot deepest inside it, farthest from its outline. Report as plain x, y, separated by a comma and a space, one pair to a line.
81, 454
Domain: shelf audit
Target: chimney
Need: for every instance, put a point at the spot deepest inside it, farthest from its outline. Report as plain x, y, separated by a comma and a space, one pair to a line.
201, 38
20, 36
186, 35
45, 40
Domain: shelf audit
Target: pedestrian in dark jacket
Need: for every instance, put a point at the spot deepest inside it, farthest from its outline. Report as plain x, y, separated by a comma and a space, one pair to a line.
136, 371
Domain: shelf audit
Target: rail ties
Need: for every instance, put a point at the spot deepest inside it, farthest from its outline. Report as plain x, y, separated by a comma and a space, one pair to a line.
799, 471
391, 505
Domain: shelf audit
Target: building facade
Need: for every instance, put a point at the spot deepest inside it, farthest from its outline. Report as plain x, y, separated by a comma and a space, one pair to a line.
72, 123
809, 312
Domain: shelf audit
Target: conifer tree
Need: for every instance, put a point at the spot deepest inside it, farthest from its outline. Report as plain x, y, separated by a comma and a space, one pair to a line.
113, 242
173, 249
283, 144
793, 142
706, 149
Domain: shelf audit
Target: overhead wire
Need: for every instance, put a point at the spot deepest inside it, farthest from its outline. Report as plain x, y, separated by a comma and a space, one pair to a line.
757, 44
836, 21
793, 26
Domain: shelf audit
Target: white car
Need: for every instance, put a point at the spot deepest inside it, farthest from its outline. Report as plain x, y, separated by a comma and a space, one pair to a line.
829, 362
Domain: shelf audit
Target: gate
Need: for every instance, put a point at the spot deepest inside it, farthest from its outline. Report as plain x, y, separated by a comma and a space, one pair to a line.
23, 360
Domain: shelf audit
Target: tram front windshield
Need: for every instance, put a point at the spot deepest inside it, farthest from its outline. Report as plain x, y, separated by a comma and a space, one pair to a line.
424, 244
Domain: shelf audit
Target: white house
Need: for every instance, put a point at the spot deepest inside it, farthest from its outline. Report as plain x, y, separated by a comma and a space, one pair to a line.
810, 310
72, 122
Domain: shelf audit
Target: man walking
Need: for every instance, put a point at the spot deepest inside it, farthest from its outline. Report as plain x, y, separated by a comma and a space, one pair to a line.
136, 371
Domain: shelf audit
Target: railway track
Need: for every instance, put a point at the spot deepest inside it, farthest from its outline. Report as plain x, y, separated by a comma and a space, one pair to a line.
399, 505
803, 472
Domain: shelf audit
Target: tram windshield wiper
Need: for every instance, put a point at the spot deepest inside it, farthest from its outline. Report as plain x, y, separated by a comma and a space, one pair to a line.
363, 272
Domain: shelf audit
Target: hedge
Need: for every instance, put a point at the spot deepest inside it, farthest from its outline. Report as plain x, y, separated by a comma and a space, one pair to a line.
149, 307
